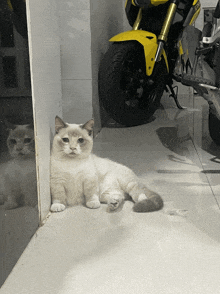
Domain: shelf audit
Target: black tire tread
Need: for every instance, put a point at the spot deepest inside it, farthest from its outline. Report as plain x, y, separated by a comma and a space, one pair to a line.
214, 128
109, 76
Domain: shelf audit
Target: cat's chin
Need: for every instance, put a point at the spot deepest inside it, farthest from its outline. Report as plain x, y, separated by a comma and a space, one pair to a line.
22, 155
76, 156
72, 154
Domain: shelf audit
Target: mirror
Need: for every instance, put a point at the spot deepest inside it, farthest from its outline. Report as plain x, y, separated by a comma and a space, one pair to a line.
18, 185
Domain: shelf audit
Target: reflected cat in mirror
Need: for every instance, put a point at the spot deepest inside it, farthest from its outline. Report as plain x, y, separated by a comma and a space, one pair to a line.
18, 185
80, 177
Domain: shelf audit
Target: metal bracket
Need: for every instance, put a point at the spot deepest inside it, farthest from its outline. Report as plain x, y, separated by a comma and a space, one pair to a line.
212, 40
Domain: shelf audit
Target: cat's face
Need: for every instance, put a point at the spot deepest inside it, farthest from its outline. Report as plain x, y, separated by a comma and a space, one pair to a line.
20, 141
72, 140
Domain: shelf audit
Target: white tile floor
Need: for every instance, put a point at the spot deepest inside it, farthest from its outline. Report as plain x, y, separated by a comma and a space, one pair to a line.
175, 250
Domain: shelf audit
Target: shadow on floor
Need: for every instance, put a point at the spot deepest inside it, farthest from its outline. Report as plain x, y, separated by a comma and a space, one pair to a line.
169, 138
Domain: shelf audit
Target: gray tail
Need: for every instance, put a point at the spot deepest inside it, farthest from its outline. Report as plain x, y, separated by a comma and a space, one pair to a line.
153, 203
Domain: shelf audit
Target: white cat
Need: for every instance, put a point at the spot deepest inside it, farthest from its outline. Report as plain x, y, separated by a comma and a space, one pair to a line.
18, 185
80, 177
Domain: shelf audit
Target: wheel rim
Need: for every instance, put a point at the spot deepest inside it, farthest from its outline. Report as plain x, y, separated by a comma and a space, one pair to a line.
140, 91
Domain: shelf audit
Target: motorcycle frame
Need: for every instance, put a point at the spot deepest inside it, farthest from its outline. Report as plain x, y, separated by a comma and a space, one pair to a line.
153, 46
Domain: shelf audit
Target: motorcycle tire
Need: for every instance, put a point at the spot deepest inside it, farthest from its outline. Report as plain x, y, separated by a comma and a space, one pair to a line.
128, 95
214, 128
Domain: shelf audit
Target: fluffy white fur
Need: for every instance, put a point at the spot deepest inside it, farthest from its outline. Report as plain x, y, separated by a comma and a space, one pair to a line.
80, 177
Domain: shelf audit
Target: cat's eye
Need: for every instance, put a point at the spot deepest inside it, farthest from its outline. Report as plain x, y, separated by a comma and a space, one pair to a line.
66, 140
13, 141
81, 140
27, 140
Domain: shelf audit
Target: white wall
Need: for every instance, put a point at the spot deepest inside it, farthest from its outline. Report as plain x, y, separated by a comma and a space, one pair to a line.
85, 28
75, 36
44, 50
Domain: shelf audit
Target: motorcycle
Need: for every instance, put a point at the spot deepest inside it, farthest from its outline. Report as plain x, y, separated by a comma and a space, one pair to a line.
162, 47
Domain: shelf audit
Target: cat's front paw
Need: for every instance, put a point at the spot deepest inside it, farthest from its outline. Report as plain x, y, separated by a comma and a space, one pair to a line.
57, 207
93, 204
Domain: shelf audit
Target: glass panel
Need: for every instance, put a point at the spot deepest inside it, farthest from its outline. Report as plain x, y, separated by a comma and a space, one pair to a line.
19, 217
7, 34
9, 71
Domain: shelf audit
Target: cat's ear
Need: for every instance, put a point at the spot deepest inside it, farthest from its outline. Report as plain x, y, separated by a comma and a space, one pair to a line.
59, 124
9, 125
88, 126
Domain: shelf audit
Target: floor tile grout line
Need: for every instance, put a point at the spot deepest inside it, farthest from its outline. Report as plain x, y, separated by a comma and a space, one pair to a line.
198, 154
205, 174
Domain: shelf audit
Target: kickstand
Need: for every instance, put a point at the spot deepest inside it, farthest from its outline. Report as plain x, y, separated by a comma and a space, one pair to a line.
174, 95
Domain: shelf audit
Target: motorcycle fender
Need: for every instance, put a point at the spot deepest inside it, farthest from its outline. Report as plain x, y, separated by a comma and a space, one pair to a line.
148, 41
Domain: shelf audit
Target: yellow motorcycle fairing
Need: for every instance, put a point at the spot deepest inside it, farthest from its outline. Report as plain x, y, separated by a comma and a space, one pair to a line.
154, 2
158, 2
148, 41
